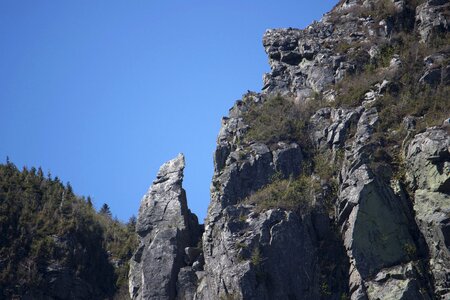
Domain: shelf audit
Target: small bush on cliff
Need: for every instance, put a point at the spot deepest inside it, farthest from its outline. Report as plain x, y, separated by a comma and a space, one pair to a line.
278, 119
325, 166
256, 257
289, 194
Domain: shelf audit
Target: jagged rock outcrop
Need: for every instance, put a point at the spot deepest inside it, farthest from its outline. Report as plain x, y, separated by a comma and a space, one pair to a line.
437, 70
376, 224
432, 18
165, 227
242, 168
365, 232
244, 249
428, 161
331, 127
374, 218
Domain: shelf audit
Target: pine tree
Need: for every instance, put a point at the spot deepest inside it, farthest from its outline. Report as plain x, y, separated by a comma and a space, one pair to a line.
105, 210
69, 188
40, 173
131, 225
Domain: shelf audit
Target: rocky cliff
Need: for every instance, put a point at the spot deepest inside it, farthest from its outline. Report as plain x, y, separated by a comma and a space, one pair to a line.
333, 182
168, 233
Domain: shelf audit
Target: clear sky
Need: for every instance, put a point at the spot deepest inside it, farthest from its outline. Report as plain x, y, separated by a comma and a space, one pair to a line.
101, 93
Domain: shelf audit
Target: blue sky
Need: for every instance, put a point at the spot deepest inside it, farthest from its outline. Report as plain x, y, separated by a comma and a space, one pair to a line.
101, 93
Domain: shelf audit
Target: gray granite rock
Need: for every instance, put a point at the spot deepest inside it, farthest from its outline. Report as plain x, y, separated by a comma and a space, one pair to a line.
428, 173
165, 227
432, 18
428, 161
376, 223
330, 127
186, 284
246, 251
399, 282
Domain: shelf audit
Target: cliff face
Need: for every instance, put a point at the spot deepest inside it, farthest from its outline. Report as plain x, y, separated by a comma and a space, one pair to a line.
332, 183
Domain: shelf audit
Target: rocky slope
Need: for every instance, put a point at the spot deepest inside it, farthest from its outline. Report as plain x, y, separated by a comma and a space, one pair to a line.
332, 183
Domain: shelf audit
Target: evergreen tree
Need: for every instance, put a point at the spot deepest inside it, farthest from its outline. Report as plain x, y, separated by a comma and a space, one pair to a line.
69, 188
36, 216
40, 173
131, 225
105, 210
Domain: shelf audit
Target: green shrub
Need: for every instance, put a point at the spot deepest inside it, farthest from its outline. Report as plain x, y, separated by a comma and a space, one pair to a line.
344, 296
241, 245
351, 90
327, 167
382, 9
325, 289
278, 119
324, 166
256, 258
385, 56
410, 250
342, 47
289, 194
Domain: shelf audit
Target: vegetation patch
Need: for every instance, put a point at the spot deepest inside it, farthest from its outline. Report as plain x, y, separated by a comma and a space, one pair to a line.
290, 194
411, 98
278, 119
427, 104
327, 167
44, 224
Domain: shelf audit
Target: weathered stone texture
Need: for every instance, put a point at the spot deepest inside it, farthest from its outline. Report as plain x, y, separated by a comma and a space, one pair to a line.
165, 227
428, 161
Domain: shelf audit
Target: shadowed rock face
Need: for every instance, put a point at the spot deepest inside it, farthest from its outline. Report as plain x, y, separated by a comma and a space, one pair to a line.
165, 227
